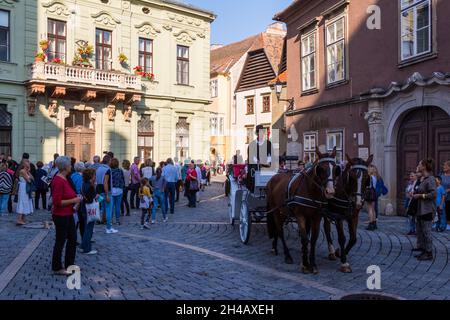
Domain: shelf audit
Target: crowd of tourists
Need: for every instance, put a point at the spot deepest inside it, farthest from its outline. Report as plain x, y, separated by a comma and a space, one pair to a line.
102, 191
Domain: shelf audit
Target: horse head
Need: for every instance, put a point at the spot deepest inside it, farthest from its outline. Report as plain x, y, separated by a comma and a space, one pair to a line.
327, 171
357, 179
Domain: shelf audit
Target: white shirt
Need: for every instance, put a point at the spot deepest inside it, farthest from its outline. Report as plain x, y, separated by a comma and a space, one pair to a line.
147, 172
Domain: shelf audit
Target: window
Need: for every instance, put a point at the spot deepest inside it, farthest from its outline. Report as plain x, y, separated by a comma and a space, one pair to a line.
415, 28
182, 139
56, 37
310, 145
309, 61
335, 34
146, 55
214, 88
4, 35
146, 135
250, 134
5, 130
266, 104
214, 126
250, 105
183, 65
221, 126
217, 126
103, 49
335, 139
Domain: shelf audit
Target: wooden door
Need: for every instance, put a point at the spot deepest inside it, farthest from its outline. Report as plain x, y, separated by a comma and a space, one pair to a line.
424, 133
80, 136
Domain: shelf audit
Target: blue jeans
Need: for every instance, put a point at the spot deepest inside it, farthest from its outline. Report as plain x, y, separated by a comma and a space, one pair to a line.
412, 224
3, 203
107, 209
87, 236
117, 202
442, 222
158, 198
170, 195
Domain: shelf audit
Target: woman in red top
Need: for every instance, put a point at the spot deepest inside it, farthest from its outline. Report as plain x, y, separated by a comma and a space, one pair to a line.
191, 175
64, 201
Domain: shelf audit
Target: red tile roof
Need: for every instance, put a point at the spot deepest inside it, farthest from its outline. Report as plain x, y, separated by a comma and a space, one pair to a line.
222, 59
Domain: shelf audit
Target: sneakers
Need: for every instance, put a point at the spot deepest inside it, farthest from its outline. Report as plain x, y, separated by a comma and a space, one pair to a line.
153, 221
165, 220
112, 230
92, 252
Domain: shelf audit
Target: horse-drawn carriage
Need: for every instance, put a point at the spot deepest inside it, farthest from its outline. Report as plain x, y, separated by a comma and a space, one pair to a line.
325, 192
246, 205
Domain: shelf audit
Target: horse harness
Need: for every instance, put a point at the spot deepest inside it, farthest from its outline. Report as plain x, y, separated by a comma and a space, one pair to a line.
325, 207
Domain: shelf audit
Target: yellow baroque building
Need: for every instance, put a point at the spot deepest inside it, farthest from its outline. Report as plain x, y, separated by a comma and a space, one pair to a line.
81, 77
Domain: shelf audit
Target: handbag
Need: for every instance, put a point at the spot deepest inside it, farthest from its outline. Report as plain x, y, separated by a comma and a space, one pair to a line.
193, 185
144, 202
370, 194
93, 212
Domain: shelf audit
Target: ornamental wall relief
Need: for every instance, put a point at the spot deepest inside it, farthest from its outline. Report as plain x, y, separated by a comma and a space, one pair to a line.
57, 8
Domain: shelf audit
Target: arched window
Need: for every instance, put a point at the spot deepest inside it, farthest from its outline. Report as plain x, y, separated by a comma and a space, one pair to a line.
5, 130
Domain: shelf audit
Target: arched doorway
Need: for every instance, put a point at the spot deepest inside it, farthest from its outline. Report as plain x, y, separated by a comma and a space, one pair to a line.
80, 135
423, 133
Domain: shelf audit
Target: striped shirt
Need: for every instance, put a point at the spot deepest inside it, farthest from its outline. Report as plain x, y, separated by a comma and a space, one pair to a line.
6, 182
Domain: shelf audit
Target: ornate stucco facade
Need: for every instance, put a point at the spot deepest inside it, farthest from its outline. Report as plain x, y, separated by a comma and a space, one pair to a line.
82, 110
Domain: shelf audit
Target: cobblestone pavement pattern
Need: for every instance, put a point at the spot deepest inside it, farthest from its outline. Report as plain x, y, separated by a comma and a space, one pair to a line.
198, 255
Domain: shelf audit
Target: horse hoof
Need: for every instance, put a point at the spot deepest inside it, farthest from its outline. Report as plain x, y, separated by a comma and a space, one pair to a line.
274, 252
346, 269
306, 270
332, 257
288, 260
337, 253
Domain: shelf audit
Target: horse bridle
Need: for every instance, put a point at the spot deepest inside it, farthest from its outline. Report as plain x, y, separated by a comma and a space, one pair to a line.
350, 200
323, 160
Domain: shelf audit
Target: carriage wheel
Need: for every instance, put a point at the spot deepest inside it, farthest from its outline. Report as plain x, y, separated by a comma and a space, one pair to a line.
230, 213
245, 223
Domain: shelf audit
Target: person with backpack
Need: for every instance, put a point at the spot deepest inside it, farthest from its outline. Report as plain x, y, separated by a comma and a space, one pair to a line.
370, 198
118, 186
6, 185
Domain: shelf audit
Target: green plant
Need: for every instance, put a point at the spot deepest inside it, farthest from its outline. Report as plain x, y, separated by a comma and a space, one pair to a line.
40, 55
43, 43
123, 58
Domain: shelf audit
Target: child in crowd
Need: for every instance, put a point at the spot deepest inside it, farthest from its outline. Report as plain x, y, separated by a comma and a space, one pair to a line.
440, 206
145, 196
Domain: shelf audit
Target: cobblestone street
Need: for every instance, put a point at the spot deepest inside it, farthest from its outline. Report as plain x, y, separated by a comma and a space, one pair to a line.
198, 255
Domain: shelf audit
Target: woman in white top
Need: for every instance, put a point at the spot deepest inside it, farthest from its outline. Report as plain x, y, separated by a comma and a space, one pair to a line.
147, 170
127, 177
24, 202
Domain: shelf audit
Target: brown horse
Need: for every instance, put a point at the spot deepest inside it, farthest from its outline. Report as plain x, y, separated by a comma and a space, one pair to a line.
345, 206
307, 194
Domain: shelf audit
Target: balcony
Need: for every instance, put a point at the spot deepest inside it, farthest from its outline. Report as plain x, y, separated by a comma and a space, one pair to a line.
63, 74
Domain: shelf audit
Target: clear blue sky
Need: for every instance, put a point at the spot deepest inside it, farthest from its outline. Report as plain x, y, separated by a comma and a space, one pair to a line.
239, 19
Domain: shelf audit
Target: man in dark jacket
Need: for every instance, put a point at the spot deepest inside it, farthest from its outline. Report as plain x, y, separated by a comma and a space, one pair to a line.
41, 186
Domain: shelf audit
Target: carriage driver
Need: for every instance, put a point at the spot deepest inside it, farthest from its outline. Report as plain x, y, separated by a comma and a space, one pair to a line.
259, 155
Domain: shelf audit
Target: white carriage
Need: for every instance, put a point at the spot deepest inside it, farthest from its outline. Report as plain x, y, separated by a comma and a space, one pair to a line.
246, 206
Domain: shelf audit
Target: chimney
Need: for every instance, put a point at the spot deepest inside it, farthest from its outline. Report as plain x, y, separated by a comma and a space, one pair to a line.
276, 28
216, 46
